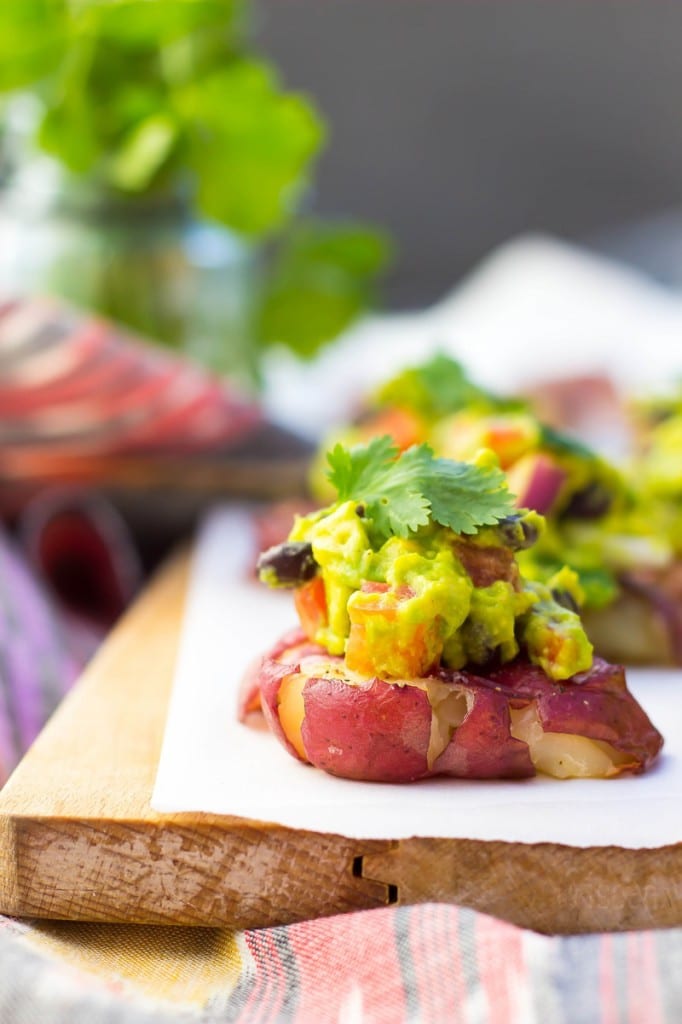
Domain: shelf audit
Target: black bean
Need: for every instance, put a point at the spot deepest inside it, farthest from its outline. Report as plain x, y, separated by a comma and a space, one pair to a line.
479, 642
290, 563
516, 532
566, 600
591, 502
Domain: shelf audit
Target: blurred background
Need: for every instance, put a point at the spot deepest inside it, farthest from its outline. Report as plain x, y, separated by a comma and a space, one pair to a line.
227, 176
459, 125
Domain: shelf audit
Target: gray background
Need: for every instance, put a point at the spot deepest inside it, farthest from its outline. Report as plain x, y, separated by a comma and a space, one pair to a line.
459, 123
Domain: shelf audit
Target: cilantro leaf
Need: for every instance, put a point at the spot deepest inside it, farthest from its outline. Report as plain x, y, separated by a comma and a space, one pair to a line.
242, 128
401, 492
352, 469
323, 275
385, 482
464, 496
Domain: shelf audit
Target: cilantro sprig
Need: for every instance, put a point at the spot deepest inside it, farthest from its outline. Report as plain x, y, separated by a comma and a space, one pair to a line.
401, 492
441, 386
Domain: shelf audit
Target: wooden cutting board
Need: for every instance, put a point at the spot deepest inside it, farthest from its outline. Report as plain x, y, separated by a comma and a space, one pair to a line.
79, 840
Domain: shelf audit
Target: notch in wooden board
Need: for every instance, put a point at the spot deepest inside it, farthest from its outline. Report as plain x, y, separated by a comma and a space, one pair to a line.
392, 895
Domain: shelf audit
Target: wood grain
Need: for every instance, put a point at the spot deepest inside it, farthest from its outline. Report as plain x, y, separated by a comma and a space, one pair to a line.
78, 839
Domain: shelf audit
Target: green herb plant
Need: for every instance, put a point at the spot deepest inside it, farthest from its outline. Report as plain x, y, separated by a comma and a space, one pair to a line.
166, 97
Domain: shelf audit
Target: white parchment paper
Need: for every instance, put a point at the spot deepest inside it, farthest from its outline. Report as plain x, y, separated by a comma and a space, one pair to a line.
210, 762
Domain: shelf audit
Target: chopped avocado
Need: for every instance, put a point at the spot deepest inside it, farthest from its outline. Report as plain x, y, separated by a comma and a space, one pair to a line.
342, 550
490, 627
657, 473
554, 636
662, 467
403, 608
509, 435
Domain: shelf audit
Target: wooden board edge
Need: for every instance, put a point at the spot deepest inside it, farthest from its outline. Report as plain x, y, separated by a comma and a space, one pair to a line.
219, 866
183, 869
546, 887
10, 895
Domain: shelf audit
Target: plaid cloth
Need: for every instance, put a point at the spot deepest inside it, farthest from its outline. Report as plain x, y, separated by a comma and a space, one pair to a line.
429, 963
41, 653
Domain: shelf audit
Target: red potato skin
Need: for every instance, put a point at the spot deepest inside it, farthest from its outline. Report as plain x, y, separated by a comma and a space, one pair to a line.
272, 674
283, 660
379, 731
293, 644
353, 731
249, 691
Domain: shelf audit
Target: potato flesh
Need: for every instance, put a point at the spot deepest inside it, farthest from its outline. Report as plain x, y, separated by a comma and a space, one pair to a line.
563, 755
449, 708
291, 710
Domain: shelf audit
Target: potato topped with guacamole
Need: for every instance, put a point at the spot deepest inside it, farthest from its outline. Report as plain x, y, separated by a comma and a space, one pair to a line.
401, 578
423, 649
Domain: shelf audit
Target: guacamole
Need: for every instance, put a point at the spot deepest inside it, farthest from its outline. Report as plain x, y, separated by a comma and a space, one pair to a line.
402, 606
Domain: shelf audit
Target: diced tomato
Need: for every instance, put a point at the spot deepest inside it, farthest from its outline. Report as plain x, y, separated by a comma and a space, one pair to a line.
367, 587
508, 440
311, 605
379, 644
402, 425
395, 594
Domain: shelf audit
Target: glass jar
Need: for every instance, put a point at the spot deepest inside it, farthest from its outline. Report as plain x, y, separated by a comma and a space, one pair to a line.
145, 262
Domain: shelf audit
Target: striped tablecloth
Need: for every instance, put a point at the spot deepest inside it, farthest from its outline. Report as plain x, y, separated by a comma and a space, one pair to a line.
431, 963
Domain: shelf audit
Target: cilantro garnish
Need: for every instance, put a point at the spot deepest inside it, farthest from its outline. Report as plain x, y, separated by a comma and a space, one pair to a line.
401, 492
438, 387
